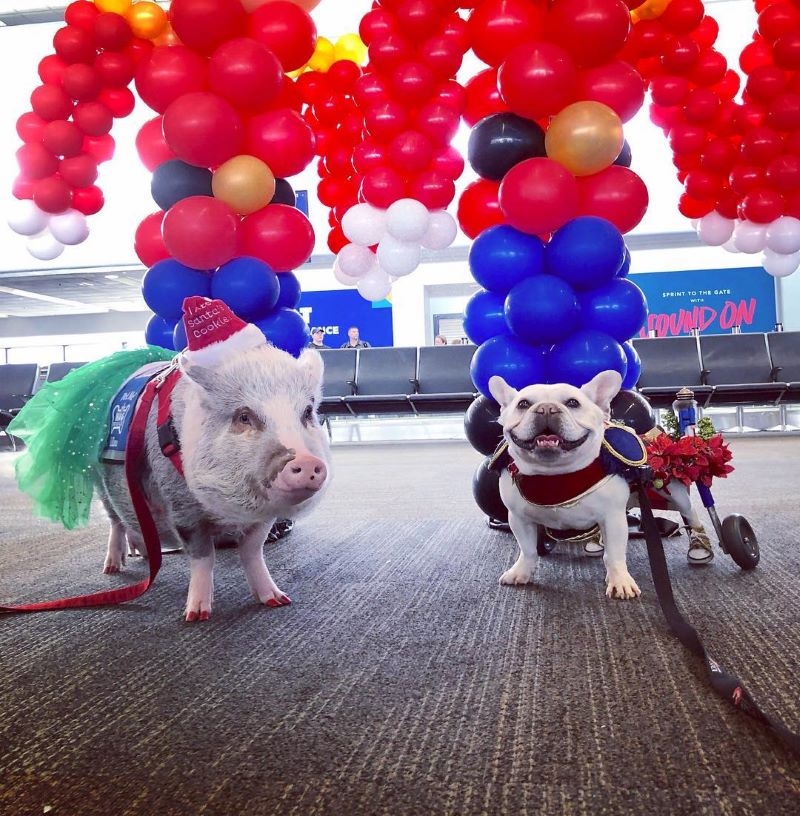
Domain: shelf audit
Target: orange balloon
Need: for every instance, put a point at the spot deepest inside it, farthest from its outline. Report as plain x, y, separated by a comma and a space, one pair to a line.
245, 183
147, 20
585, 137
167, 37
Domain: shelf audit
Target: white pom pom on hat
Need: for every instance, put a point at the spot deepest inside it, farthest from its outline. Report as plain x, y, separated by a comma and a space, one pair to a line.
214, 332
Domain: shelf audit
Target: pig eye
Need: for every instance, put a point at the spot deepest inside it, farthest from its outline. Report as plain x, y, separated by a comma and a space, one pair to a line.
243, 418
309, 415
523, 404
572, 403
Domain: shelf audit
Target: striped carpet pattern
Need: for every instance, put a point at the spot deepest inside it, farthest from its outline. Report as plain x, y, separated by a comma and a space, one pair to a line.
403, 679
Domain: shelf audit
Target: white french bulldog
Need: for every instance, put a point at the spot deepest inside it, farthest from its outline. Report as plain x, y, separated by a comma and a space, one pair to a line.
553, 430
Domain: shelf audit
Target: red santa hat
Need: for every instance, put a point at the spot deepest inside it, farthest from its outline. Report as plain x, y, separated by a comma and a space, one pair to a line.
213, 331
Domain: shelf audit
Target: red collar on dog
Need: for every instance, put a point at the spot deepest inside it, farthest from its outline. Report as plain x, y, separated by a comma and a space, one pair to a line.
552, 491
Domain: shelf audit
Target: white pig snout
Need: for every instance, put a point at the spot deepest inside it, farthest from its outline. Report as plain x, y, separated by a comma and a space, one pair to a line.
304, 472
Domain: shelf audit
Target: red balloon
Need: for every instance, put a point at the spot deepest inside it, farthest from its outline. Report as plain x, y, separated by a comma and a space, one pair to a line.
691, 207
760, 145
449, 162
786, 51
382, 186
777, 18
687, 139
168, 73
286, 29
36, 161
246, 73
62, 138
81, 14
482, 97
765, 83
337, 239
74, 44
433, 189
151, 146
386, 119
88, 200
370, 90
592, 31
51, 69
682, 16
390, 52
727, 204
314, 87
201, 232
139, 51
148, 242
538, 196
335, 191
761, 206
22, 188
719, 155
282, 140
537, 79
78, 171
417, 19
120, 101
711, 68
706, 32
111, 31
81, 82
616, 194
52, 194
452, 94
616, 84
369, 154
668, 90
745, 177
203, 129
376, 25
783, 173
442, 55
279, 235
412, 83
754, 55
30, 126
783, 112
479, 207
498, 26
93, 118
701, 186
701, 106
410, 152
50, 102
202, 25
438, 122
115, 69
289, 97
100, 148
343, 76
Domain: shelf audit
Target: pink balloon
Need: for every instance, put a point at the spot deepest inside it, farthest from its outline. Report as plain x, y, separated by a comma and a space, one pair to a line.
201, 232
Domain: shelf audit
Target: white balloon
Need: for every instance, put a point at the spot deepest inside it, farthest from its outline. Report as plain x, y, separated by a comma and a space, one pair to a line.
45, 247
750, 237
341, 277
25, 218
779, 265
375, 285
729, 246
714, 229
783, 235
364, 224
441, 231
398, 258
408, 220
355, 261
69, 227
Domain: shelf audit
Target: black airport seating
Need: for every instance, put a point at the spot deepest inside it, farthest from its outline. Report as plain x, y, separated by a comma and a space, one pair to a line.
17, 385
385, 377
669, 364
784, 352
338, 381
57, 371
443, 382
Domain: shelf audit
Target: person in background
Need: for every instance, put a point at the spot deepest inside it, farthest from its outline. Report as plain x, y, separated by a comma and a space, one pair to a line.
318, 338
456, 341
353, 339
440, 340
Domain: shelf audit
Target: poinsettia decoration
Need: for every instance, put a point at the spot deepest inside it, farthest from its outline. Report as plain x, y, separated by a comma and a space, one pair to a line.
688, 459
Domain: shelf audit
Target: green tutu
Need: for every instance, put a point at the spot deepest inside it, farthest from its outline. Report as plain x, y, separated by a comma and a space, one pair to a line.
64, 427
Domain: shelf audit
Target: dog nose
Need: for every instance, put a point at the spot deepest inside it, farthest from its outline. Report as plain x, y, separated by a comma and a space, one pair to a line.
547, 408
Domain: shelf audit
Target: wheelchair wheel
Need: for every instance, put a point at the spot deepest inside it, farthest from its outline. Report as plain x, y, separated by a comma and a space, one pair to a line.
545, 545
740, 541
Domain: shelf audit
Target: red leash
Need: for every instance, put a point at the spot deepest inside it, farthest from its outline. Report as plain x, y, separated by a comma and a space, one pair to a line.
135, 448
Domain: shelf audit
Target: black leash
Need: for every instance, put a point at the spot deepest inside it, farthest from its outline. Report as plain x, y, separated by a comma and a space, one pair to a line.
726, 685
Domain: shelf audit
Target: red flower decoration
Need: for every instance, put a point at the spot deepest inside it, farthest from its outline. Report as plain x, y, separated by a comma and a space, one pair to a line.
688, 459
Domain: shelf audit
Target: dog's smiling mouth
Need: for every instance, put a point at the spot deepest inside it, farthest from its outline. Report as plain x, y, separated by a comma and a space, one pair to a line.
548, 442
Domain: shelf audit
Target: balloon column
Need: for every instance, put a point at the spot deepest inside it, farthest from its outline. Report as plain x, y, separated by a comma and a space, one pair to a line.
555, 195
228, 131
739, 162
66, 134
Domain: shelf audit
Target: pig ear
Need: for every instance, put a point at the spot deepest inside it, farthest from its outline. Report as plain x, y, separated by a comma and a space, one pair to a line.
602, 389
501, 390
311, 361
197, 373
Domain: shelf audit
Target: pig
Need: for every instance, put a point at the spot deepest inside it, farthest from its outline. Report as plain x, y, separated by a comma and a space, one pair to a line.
253, 450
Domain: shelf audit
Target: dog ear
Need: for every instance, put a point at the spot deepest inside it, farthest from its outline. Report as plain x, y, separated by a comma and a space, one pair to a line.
602, 389
501, 390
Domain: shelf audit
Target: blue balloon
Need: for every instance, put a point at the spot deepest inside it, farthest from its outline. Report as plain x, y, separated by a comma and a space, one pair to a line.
179, 339
289, 294
542, 310
483, 316
286, 329
502, 256
167, 283
582, 356
625, 269
617, 308
586, 252
175, 180
248, 286
516, 362
634, 365
158, 332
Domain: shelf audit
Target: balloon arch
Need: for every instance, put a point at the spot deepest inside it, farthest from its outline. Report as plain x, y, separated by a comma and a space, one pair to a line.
245, 94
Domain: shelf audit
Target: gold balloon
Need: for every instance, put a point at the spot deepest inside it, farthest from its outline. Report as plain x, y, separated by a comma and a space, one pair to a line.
585, 137
245, 183
350, 47
167, 37
114, 6
147, 20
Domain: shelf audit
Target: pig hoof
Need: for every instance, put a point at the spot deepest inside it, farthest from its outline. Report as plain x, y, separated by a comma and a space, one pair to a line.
111, 569
193, 615
272, 603
284, 599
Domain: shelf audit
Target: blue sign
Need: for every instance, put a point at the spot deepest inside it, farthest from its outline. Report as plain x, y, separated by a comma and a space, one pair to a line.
711, 300
336, 311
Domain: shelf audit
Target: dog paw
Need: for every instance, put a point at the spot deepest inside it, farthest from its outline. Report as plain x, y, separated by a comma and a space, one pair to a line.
515, 576
622, 587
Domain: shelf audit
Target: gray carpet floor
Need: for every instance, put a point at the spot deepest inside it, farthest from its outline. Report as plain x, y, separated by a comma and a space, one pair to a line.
403, 679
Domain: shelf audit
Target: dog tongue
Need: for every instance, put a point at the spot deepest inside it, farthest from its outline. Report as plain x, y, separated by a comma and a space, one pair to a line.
548, 441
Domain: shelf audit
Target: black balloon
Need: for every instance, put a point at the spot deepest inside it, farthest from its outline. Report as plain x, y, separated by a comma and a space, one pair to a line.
175, 180
502, 140
284, 194
481, 426
633, 410
486, 492
625, 157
